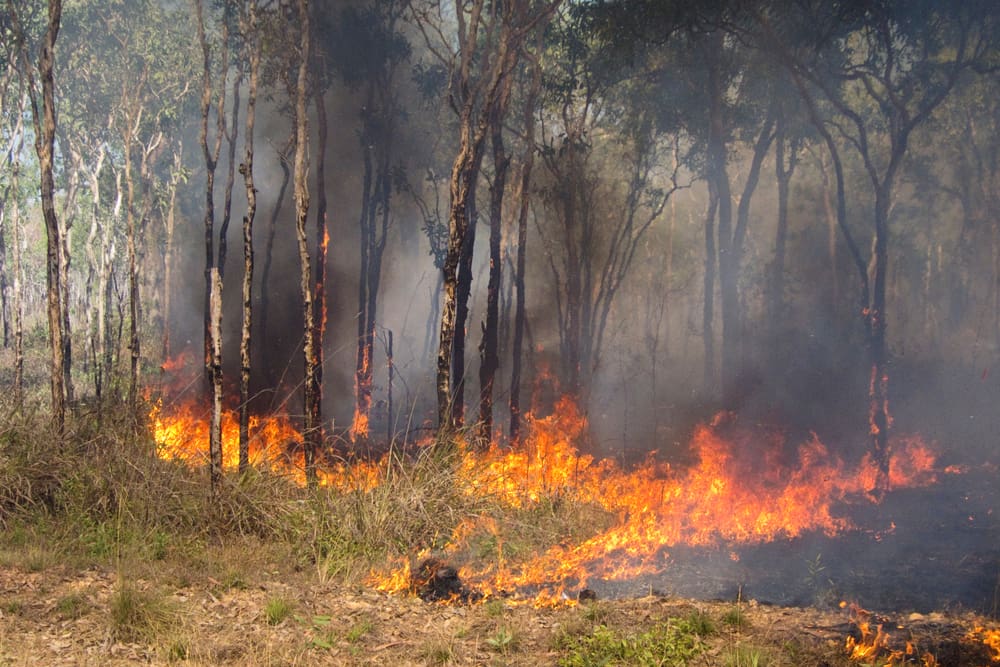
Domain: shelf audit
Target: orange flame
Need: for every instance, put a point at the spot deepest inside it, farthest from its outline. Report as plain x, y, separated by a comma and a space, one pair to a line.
362, 395
989, 637
732, 495
874, 645
275, 444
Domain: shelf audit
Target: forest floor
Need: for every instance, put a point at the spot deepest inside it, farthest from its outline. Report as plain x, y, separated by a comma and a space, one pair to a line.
242, 605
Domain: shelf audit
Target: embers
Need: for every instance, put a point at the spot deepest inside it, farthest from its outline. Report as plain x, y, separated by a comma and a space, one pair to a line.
435, 581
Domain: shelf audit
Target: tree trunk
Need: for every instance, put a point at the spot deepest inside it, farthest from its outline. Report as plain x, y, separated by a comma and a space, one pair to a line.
265, 278
211, 156
708, 309
229, 131
463, 291
363, 359
65, 231
878, 388
464, 174
5, 296
776, 284
489, 355
736, 346
18, 300
377, 140
45, 129
215, 368
523, 195
311, 396
168, 250
322, 241
133, 278
246, 170
474, 104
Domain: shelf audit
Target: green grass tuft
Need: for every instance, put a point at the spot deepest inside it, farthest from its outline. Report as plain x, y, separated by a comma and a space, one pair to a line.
277, 610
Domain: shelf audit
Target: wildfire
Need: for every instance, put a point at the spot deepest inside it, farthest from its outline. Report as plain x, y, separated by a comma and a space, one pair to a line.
182, 433
743, 488
874, 645
989, 637
362, 395
733, 495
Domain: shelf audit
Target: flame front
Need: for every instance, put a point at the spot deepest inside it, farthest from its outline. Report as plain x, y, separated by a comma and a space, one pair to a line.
741, 491
743, 488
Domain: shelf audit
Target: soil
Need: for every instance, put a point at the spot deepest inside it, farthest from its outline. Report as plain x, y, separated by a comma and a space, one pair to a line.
60, 616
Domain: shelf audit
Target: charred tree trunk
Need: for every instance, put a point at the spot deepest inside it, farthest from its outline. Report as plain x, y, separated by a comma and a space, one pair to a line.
311, 394
464, 174
708, 307
246, 170
391, 367
229, 131
476, 95
272, 228
463, 291
363, 360
489, 354
523, 195
878, 388
322, 241
377, 139
784, 166
732, 302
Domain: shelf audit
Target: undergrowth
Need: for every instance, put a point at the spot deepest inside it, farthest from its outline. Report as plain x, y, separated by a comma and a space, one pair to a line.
673, 642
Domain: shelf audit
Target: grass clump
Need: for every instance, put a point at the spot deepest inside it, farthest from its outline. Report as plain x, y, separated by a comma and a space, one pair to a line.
672, 642
72, 606
746, 656
437, 652
736, 618
277, 610
137, 615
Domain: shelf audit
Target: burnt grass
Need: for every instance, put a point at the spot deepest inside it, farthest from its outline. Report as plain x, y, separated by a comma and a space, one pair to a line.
920, 550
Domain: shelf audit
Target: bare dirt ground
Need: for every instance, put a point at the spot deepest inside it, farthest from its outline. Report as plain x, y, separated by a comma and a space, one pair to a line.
59, 616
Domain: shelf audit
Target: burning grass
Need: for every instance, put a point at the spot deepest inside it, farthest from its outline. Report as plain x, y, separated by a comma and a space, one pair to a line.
497, 511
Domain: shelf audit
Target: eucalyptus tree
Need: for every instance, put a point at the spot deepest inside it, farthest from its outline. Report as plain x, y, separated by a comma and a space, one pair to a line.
249, 16
883, 68
150, 54
86, 134
211, 149
604, 129
312, 392
479, 44
12, 104
212, 313
40, 81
